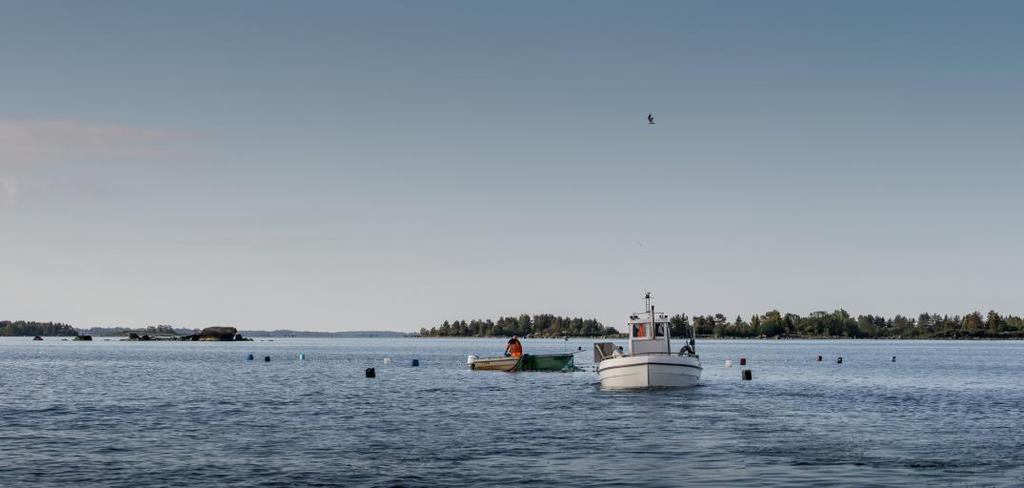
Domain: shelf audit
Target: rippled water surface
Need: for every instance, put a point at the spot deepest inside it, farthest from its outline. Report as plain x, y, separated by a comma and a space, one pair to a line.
112, 413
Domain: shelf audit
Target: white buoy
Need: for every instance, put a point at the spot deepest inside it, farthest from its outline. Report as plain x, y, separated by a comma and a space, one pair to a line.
387, 360
728, 363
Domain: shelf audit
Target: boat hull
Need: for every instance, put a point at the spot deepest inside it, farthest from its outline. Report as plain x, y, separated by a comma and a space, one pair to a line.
494, 364
546, 362
649, 371
528, 362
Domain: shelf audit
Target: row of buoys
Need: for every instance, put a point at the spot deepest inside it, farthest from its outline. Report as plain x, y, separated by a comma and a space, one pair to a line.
370, 372
746, 374
839, 360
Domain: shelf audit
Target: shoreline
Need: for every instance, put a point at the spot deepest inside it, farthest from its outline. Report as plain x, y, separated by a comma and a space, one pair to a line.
706, 338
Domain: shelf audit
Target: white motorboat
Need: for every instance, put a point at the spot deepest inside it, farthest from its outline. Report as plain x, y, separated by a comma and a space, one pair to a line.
650, 362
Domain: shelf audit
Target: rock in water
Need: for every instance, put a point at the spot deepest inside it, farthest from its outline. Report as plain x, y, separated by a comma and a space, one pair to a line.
220, 334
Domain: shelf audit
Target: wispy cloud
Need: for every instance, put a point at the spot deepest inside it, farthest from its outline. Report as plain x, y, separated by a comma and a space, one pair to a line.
31, 141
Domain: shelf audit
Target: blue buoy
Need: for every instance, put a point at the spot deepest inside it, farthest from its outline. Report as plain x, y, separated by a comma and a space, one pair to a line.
266, 359
249, 357
894, 359
839, 360
415, 362
302, 356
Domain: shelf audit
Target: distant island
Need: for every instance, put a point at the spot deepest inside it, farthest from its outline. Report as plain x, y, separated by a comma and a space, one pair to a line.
27, 328
837, 324
318, 334
774, 324
24, 328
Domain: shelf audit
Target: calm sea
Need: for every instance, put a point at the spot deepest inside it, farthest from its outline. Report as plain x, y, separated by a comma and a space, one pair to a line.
131, 414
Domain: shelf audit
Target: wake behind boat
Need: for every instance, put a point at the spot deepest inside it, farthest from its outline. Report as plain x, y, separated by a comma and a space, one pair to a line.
650, 362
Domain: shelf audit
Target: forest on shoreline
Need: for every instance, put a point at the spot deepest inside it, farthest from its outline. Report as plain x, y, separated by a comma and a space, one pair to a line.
838, 324
774, 324
543, 325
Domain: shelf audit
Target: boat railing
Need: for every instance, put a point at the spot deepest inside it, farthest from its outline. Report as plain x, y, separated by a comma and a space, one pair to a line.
603, 350
658, 353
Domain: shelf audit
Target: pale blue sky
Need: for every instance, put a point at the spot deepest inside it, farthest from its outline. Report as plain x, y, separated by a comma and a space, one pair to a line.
343, 165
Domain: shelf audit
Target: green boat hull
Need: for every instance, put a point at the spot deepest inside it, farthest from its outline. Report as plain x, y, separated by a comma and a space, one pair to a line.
546, 362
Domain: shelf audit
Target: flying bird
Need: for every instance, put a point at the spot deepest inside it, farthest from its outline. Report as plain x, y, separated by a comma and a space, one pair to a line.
650, 119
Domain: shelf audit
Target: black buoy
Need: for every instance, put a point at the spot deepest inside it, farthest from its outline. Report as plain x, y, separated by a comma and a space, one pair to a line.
819, 358
266, 359
371, 373
249, 357
743, 361
415, 362
839, 360
894, 359
747, 375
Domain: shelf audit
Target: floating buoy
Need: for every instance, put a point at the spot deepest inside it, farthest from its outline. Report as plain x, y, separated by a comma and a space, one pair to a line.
743, 361
387, 360
728, 363
894, 359
747, 375
819, 358
302, 356
266, 359
371, 373
415, 362
839, 360
250, 357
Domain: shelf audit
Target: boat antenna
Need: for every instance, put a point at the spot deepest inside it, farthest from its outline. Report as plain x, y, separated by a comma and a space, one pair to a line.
650, 308
693, 336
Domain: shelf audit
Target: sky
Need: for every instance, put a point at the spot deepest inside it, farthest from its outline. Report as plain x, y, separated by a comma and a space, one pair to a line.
389, 165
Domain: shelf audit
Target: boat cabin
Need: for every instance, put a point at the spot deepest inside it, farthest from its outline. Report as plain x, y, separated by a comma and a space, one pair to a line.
649, 333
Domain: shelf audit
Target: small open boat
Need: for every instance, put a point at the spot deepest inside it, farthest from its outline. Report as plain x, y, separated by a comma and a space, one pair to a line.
528, 362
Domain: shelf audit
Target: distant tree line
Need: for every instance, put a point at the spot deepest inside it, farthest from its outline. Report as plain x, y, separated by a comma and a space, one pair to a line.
841, 324
524, 325
152, 331
27, 328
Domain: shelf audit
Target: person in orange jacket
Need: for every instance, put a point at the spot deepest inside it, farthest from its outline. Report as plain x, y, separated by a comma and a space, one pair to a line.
514, 348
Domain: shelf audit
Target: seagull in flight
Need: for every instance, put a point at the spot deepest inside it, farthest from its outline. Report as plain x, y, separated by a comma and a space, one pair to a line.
650, 119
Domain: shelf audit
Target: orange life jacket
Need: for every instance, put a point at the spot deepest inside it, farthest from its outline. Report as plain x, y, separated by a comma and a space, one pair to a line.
515, 349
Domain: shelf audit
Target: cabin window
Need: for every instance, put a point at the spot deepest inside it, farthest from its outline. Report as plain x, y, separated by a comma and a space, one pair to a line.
639, 330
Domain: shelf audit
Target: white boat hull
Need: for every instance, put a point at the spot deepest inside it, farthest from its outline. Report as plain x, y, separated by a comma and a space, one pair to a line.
649, 371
